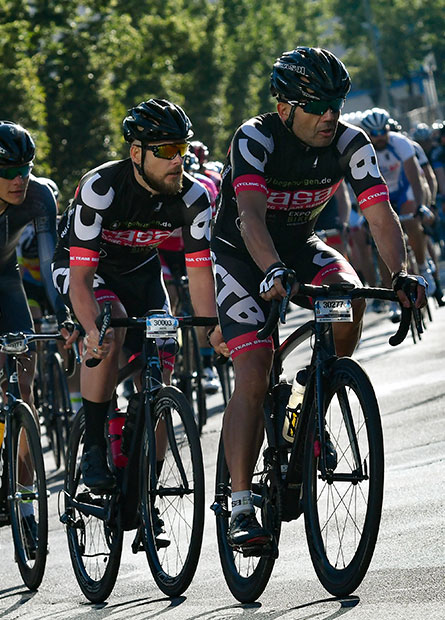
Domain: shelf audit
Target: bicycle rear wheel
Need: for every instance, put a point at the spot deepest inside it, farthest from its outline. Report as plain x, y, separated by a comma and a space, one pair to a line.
28, 502
172, 499
95, 545
343, 509
247, 577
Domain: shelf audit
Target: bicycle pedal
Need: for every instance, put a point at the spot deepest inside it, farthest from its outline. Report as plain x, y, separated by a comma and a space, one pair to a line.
258, 551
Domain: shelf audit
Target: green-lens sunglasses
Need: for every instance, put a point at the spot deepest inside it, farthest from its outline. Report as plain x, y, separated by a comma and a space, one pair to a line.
11, 173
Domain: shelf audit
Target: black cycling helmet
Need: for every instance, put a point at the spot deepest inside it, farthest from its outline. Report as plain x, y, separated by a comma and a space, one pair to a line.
309, 74
16, 145
155, 120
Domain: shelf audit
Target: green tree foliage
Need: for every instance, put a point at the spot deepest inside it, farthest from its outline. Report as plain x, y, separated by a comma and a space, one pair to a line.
69, 70
406, 32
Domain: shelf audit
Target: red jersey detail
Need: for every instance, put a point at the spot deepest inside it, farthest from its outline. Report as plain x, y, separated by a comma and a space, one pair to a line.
198, 259
247, 342
135, 238
279, 200
373, 195
174, 243
250, 183
83, 256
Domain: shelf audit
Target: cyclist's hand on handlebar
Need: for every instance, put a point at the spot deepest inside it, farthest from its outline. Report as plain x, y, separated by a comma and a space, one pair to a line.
216, 340
410, 287
70, 331
91, 343
272, 286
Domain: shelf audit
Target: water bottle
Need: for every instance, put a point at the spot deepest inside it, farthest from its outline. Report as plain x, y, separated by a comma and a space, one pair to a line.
294, 406
116, 423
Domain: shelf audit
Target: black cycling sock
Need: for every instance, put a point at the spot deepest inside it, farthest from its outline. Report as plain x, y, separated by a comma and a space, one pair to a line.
95, 415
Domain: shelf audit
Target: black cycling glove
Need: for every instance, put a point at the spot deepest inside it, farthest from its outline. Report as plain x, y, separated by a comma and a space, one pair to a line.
401, 281
275, 270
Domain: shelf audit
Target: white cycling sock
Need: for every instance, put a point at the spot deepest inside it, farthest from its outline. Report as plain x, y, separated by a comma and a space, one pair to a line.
241, 502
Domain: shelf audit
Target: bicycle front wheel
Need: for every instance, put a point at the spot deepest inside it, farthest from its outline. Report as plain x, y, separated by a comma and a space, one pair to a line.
28, 502
172, 492
247, 576
343, 507
95, 544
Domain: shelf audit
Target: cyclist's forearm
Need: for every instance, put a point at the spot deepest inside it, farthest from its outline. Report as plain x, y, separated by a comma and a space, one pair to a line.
202, 290
82, 299
258, 240
388, 236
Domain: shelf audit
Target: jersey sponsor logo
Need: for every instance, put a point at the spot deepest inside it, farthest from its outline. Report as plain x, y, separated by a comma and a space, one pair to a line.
198, 259
83, 256
134, 238
300, 199
373, 195
250, 183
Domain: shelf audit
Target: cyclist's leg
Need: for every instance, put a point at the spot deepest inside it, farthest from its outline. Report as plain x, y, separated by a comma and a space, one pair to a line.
97, 383
241, 313
320, 264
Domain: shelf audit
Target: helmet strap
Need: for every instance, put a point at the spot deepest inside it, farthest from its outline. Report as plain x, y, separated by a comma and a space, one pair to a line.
290, 119
140, 167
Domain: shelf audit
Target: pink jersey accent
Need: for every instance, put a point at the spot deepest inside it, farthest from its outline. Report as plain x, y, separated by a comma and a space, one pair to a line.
105, 295
342, 267
248, 342
198, 259
83, 256
373, 195
174, 243
250, 183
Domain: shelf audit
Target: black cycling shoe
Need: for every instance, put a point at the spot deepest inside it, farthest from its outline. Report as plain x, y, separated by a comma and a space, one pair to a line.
95, 472
161, 539
29, 527
245, 531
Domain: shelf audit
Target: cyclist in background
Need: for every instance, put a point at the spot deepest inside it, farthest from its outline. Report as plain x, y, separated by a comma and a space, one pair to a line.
107, 251
282, 169
400, 168
171, 254
24, 199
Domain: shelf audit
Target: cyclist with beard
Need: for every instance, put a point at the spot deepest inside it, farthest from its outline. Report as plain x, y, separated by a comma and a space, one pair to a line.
108, 251
281, 171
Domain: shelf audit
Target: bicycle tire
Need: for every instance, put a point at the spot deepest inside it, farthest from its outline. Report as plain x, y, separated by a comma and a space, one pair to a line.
246, 577
30, 537
60, 408
176, 497
95, 547
193, 376
342, 517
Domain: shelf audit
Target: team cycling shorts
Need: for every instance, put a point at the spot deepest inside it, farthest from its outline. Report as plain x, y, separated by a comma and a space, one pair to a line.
241, 310
139, 292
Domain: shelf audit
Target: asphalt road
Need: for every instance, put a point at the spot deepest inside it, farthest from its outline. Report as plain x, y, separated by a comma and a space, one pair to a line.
406, 576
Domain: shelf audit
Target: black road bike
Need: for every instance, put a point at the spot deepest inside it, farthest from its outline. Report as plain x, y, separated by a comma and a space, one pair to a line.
333, 470
51, 393
23, 490
147, 498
